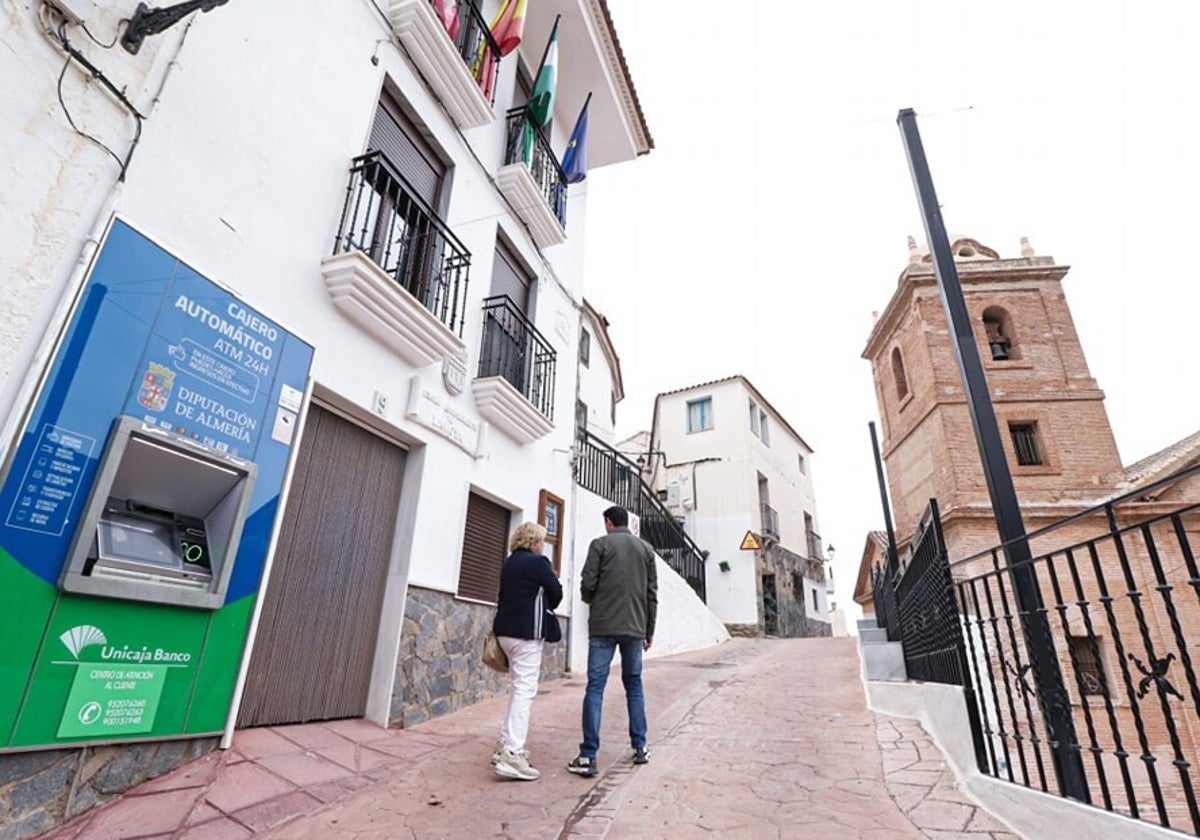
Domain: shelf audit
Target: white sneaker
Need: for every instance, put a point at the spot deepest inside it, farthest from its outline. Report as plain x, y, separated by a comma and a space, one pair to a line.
500, 749
513, 765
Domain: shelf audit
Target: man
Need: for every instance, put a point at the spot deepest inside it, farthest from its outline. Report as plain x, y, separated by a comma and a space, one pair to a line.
620, 583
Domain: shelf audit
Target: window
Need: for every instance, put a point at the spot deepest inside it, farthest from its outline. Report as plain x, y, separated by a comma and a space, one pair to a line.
404, 145
581, 414
898, 374
803, 464
585, 348
485, 545
816, 602
758, 423
550, 515
998, 327
613, 407
510, 277
699, 415
1026, 444
1087, 669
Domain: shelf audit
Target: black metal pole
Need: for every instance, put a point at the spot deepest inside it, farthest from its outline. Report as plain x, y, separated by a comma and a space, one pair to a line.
1052, 696
893, 559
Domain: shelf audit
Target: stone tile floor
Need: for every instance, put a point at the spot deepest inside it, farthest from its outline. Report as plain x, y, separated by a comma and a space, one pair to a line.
756, 738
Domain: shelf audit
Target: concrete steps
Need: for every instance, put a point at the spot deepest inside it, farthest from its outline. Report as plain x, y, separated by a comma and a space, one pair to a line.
883, 661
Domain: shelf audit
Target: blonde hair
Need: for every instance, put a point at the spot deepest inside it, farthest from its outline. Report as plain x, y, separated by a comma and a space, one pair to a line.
527, 535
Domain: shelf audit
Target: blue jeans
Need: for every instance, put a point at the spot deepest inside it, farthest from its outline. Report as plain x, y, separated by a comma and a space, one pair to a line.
600, 654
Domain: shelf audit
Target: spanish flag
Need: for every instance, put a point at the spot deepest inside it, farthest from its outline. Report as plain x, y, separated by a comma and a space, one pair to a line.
509, 25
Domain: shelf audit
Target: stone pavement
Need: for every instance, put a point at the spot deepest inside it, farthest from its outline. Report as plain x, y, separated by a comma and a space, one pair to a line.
756, 738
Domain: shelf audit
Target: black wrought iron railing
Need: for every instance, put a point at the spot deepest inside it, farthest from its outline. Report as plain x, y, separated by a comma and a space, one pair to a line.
770, 521
1120, 585
1117, 592
474, 42
514, 350
385, 218
527, 144
914, 601
606, 472
813, 540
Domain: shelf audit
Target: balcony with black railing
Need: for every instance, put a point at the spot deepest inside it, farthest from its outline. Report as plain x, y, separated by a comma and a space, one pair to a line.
532, 179
455, 54
770, 521
397, 270
515, 386
609, 474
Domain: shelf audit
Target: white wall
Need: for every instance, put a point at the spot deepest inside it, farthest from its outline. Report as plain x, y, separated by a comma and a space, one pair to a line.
721, 497
241, 172
596, 385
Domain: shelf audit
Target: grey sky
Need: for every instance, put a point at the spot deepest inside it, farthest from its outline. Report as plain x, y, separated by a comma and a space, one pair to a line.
770, 221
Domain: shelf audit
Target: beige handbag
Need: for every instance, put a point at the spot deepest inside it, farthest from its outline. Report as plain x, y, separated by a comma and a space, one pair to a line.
493, 655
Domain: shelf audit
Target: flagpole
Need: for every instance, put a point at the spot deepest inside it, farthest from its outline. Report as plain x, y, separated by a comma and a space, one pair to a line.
546, 51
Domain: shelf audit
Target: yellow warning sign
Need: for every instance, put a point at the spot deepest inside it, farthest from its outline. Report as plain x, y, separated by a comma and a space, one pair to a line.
750, 542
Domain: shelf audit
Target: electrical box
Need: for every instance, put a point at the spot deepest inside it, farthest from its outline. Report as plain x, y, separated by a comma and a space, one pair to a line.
674, 495
163, 520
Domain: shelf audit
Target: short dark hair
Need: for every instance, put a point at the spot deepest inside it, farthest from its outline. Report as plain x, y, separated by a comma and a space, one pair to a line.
618, 516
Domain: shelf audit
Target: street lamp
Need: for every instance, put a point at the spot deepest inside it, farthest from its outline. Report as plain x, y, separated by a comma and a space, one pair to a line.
642, 459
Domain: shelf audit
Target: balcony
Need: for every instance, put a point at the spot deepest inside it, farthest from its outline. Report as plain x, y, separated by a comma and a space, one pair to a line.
460, 68
397, 271
532, 180
515, 386
770, 521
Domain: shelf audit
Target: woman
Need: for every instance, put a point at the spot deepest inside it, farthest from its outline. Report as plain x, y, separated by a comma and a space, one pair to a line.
528, 592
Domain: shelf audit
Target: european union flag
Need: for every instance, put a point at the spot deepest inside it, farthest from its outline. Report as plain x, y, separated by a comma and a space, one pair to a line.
574, 162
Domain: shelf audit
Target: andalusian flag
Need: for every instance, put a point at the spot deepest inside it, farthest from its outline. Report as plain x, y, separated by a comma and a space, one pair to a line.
574, 162
541, 100
509, 25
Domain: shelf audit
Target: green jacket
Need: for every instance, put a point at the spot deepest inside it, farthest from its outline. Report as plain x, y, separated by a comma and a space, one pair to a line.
620, 583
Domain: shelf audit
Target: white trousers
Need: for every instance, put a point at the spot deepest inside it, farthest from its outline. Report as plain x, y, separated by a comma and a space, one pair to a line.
524, 666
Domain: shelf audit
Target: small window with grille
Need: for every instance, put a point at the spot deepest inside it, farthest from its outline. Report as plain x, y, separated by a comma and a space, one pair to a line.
1026, 444
1087, 668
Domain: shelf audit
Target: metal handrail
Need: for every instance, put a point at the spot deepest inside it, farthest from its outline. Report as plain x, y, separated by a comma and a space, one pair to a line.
386, 218
542, 163
513, 348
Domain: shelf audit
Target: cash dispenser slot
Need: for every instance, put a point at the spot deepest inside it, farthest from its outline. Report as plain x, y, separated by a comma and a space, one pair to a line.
163, 520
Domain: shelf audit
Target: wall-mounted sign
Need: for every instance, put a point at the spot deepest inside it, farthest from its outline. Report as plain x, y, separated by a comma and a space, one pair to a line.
154, 345
432, 412
454, 374
750, 542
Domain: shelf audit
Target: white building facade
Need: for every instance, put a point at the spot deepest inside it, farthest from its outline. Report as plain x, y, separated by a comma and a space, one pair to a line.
366, 180
737, 473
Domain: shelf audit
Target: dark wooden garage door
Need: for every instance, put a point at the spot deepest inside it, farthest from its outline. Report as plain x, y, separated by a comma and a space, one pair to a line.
316, 637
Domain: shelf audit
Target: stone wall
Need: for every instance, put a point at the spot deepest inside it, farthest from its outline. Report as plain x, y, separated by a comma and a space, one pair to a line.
439, 669
39, 790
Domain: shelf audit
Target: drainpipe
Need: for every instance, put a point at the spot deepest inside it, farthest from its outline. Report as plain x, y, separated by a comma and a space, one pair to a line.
695, 495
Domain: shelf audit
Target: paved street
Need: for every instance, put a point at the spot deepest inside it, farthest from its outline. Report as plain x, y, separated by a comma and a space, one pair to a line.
753, 739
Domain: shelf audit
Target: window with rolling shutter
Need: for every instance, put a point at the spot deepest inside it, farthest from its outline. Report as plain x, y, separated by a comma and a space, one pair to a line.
510, 278
394, 134
485, 545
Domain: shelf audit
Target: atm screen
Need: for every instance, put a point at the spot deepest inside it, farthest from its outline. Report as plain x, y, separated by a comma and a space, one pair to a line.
137, 540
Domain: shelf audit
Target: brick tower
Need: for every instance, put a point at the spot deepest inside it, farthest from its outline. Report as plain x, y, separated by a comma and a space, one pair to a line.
1050, 410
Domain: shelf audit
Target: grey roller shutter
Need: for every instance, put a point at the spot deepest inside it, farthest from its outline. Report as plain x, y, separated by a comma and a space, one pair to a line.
395, 135
510, 278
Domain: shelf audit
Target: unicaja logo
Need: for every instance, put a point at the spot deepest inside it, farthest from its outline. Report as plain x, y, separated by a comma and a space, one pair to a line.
85, 635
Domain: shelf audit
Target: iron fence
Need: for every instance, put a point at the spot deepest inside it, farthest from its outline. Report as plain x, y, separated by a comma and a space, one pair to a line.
474, 42
607, 473
527, 144
386, 219
513, 349
1121, 592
